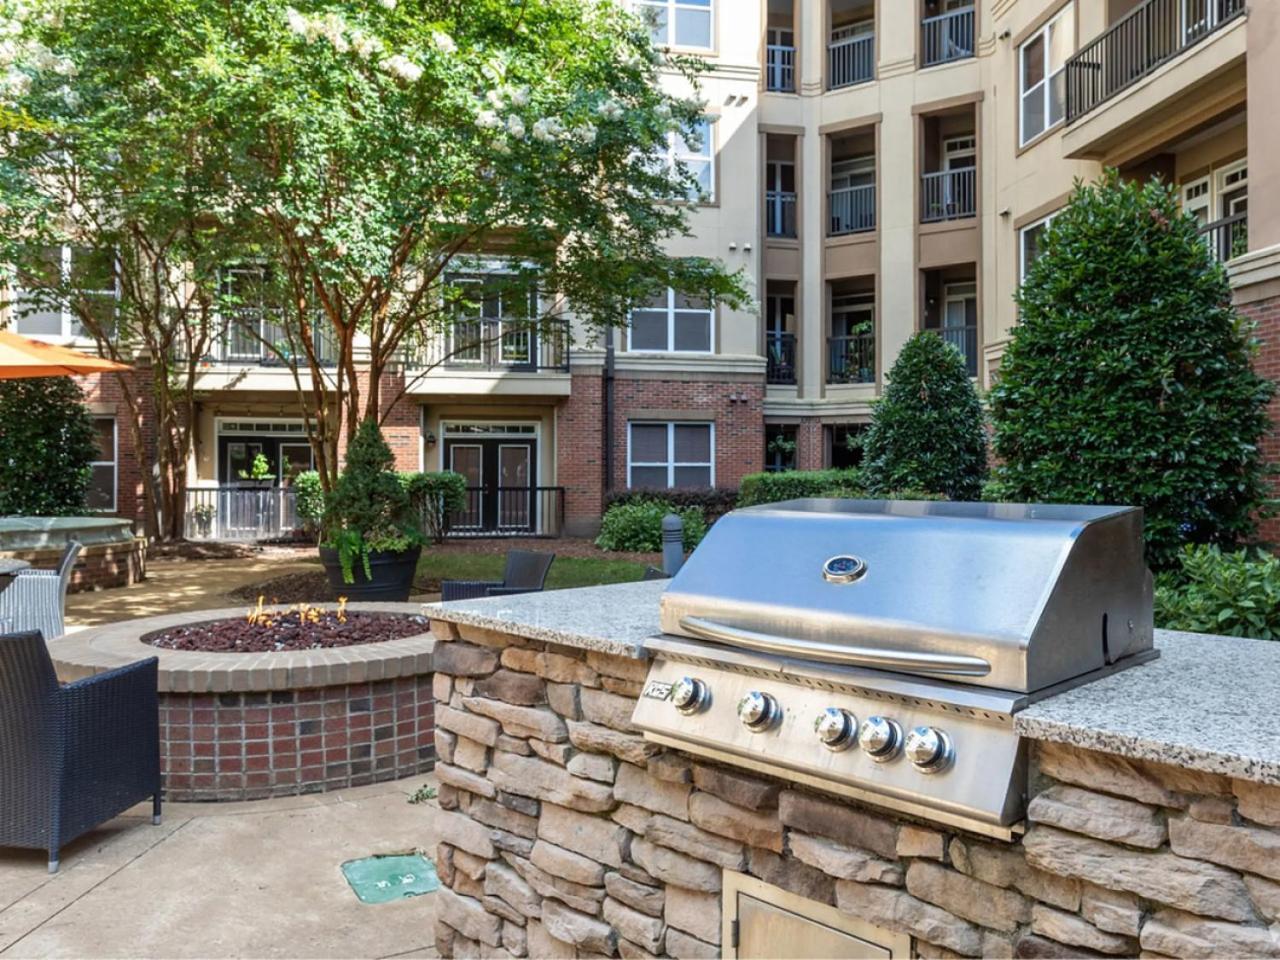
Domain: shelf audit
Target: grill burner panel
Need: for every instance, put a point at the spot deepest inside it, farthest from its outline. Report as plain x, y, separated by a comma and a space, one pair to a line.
880, 649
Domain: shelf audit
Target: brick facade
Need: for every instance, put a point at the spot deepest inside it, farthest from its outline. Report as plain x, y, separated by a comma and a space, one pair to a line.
1265, 314
248, 746
104, 396
579, 426
810, 445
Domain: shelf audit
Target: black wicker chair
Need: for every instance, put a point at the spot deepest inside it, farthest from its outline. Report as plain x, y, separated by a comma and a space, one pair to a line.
526, 572
72, 757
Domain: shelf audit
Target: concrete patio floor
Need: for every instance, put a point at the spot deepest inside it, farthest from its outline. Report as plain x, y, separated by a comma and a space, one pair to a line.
255, 879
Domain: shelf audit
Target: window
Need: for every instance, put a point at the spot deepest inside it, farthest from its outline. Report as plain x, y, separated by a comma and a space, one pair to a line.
102, 485
664, 455
493, 319
90, 275
1030, 240
672, 323
678, 23
1042, 75
696, 154
779, 447
960, 153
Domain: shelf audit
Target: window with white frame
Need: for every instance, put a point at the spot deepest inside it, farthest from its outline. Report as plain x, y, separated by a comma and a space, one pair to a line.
667, 455
678, 23
102, 485
1042, 77
80, 273
1030, 243
697, 154
672, 322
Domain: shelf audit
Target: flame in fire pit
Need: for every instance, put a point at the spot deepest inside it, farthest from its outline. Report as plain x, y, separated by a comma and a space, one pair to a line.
305, 612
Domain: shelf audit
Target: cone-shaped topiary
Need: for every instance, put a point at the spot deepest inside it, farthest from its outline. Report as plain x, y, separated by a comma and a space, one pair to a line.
926, 431
1128, 379
369, 508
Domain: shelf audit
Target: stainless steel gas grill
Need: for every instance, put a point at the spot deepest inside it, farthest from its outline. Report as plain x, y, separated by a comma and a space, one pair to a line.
880, 649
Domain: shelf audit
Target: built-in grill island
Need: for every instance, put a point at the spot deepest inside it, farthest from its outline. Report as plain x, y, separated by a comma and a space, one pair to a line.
858, 729
880, 649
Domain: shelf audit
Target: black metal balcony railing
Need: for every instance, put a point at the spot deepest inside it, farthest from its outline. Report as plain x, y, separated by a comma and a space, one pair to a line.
948, 195
780, 213
496, 345
1137, 44
258, 337
851, 359
851, 60
781, 355
509, 512
242, 513
853, 210
1227, 238
947, 37
780, 68
964, 339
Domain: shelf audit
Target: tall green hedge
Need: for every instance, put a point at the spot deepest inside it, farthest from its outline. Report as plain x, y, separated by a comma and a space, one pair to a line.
46, 444
792, 484
926, 432
1128, 378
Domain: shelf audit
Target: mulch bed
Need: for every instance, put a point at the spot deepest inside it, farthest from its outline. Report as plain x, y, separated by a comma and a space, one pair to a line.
306, 587
288, 631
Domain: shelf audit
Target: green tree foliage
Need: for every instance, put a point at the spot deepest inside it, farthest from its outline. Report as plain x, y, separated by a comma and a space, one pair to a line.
46, 443
1128, 378
370, 507
1237, 594
926, 432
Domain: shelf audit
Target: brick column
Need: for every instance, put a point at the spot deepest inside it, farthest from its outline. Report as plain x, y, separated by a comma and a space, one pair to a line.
579, 425
810, 452
1255, 282
401, 425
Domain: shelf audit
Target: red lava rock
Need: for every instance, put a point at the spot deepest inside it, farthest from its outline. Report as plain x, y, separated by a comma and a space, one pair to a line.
288, 631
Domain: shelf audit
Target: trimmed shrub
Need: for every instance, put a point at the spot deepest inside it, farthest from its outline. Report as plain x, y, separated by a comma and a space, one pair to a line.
927, 431
636, 527
1128, 379
47, 440
792, 484
435, 495
714, 502
1237, 594
310, 504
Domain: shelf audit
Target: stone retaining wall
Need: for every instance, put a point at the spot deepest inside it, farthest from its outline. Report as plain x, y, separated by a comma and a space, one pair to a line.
565, 834
100, 566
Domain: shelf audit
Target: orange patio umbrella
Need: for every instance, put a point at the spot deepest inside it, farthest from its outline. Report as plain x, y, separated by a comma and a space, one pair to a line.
21, 357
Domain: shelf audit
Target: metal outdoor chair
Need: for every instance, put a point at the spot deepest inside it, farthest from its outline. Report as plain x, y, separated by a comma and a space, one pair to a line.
37, 598
525, 572
72, 757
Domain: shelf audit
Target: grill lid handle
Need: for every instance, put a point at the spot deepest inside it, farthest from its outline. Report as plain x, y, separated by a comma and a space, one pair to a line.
942, 663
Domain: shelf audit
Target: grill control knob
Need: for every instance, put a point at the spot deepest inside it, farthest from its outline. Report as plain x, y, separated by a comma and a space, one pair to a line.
758, 711
836, 728
881, 738
689, 695
928, 748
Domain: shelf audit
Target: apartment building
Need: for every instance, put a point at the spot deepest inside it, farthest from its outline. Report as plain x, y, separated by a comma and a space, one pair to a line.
875, 168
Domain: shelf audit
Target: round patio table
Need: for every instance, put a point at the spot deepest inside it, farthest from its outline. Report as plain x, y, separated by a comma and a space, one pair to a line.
10, 569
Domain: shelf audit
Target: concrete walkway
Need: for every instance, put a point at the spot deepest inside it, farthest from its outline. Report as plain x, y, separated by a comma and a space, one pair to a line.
258, 879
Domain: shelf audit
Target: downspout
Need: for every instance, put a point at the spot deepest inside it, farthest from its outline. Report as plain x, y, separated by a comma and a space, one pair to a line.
606, 428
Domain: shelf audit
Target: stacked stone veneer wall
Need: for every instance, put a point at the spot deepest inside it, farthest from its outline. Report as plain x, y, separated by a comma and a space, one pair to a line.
565, 834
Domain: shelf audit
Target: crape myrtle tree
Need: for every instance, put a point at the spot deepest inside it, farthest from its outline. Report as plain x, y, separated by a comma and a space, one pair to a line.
1128, 377
927, 432
111, 194
380, 150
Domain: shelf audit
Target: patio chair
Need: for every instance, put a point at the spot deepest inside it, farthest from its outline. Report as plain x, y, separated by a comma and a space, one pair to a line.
525, 572
653, 573
36, 598
72, 757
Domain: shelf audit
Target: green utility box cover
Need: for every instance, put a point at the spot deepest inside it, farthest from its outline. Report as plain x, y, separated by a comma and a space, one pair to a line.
383, 879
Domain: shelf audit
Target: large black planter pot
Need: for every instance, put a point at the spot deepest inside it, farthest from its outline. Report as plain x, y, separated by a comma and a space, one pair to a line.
392, 571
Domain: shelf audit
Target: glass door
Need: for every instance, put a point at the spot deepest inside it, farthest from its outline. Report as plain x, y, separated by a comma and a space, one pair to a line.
515, 491
468, 460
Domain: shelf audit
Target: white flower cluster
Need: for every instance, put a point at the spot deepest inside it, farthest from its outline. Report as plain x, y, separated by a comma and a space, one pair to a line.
444, 43
610, 110
548, 129
402, 67
23, 58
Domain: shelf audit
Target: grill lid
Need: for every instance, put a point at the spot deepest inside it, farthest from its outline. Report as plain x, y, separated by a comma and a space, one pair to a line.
1013, 596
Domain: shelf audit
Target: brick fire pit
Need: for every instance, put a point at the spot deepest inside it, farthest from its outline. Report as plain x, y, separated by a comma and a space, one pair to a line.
245, 726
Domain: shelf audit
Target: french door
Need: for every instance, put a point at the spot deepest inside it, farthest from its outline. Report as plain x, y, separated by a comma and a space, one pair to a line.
501, 487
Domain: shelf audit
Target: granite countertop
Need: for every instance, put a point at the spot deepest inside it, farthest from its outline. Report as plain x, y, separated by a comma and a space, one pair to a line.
1208, 703
616, 618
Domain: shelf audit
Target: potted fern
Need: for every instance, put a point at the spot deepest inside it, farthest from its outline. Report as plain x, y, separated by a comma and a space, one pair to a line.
372, 535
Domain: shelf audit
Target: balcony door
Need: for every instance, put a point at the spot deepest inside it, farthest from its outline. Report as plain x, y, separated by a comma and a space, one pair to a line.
780, 198
500, 469
960, 322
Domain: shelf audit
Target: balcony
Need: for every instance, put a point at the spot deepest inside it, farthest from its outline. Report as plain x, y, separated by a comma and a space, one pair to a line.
853, 210
257, 337
1136, 45
964, 339
243, 514
851, 359
851, 60
1227, 238
780, 350
780, 68
948, 195
780, 213
498, 346
946, 37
